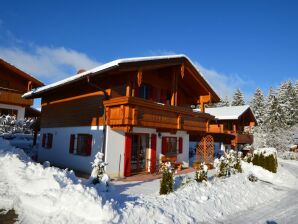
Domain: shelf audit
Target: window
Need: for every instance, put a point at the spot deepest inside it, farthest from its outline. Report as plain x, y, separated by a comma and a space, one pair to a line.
169, 145
80, 144
47, 140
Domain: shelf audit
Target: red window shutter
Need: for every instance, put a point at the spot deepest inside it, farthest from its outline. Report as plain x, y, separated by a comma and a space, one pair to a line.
71, 143
153, 154
44, 136
127, 154
164, 145
50, 140
180, 145
88, 145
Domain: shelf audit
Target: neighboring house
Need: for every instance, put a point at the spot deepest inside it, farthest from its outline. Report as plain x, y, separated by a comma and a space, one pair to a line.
13, 84
232, 126
137, 111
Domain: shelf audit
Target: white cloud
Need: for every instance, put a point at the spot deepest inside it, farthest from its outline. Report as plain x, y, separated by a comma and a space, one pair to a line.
46, 63
224, 85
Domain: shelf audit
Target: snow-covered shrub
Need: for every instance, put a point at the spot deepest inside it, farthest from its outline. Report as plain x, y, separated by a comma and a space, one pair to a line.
201, 173
228, 164
266, 158
166, 182
289, 155
98, 175
10, 125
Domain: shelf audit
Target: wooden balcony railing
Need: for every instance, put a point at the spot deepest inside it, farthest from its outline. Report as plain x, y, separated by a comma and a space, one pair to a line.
245, 138
10, 97
219, 128
125, 112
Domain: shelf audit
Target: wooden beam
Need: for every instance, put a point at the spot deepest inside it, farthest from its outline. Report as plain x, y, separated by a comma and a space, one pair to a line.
182, 70
139, 77
173, 88
29, 86
203, 100
128, 89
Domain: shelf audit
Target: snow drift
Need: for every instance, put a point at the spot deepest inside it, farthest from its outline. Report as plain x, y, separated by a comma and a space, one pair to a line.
46, 195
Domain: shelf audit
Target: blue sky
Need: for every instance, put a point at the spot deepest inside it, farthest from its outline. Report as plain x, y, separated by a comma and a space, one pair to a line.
236, 44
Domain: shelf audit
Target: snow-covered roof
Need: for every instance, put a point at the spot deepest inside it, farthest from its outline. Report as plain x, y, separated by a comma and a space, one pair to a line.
109, 66
226, 113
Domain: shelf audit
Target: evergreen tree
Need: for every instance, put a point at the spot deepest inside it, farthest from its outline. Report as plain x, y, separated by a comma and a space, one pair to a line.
238, 98
296, 102
224, 102
287, 100
257, 105
274, 116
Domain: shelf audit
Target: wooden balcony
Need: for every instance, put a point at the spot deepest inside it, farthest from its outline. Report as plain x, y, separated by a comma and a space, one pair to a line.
123, 113
245, 138
219, 129
14, 97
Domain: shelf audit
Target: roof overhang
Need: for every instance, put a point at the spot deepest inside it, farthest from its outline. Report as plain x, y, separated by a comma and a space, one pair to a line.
126, 65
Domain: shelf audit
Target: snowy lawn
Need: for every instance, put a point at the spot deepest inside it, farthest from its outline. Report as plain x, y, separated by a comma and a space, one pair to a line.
52, 195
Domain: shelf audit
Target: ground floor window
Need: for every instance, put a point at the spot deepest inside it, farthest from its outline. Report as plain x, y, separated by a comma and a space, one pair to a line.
140, 144
80, 144
169, 146
47, 140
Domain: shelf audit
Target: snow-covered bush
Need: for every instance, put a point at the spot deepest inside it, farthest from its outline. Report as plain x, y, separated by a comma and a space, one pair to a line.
98, 175
10, 125
266, 158
228, 164
289, 155
166, 182
201, 173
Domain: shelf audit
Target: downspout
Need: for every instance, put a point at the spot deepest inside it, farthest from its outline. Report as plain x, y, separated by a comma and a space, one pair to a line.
106, 97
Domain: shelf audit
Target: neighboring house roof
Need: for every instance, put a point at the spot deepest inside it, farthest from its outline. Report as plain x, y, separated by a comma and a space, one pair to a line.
227, 113
130, 62
35, 82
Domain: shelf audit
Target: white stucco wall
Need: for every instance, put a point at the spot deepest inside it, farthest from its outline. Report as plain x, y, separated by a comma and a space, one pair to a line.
115, 141
21, 110
59, 153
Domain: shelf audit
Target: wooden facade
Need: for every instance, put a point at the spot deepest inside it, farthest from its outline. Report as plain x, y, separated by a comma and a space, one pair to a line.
14, 83
234, 131
156, 96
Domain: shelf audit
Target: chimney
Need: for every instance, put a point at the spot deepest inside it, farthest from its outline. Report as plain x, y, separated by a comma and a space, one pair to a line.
80, 71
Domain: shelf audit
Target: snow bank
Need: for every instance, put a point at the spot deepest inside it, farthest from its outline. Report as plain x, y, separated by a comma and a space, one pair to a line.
46, 195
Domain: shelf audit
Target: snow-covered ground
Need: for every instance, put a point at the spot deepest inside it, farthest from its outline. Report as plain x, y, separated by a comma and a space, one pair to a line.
50, 195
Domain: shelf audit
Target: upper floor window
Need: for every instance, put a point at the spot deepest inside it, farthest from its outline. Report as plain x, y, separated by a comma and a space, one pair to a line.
149, 92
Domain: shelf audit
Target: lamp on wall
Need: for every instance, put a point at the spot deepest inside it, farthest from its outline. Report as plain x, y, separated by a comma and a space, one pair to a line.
159, 134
